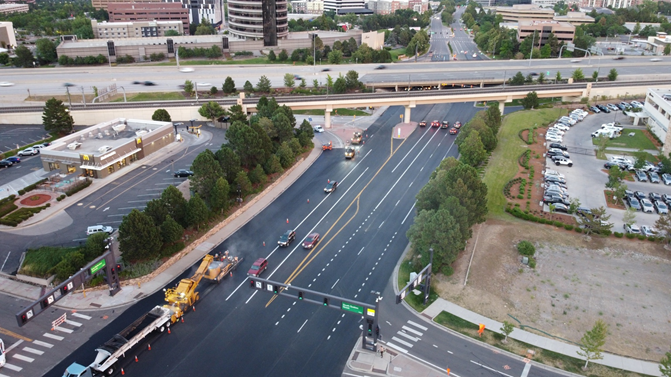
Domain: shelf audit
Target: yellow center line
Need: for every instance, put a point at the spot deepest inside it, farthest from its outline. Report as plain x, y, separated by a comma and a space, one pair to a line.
305, 262
14, 335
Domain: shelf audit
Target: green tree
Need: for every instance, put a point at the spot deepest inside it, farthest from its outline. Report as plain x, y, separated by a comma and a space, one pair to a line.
286, 155
214, 90
558, 77
229, 162
615, 177
257, 175
156, 209
663, 227
171, 33
352, 80
665, 362
4, 58
273, 165
335, 57
530, 101
173, 200
578, 75
438, 230
612, 75
196, 211
283, 56
56, 118
211, 110
629, 217
637, 28
24, 57
248, 87
472, 150
593, 341
171, 231
340, 85
302, 84
493, 118
263, 85
315, 84
219, 196
288, 80
161, 115
205, 28
506, 329
305, 133
229, 85
245, 142
541, 78
95, 246
243, 184
46, 51
206, 171
139, 238
188, 87
271, 56
667, 50
518, 79
595, 222
595, 75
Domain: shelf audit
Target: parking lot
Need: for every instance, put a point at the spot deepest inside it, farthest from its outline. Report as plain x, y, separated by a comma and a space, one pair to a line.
587, 178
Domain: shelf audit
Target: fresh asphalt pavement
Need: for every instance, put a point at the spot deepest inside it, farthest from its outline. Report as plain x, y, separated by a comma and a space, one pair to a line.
363, 225
587, 178
108, 205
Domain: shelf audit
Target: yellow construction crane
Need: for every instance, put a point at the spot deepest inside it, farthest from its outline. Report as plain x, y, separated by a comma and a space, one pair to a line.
184, 294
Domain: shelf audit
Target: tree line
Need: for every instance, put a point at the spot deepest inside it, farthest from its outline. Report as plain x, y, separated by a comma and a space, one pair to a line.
57, 18
259, 148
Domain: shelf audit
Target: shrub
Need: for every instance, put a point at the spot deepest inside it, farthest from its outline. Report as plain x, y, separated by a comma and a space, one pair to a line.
532, 262
579, 230
652, 238
618, 234
6, 208
526, 248
630, 236
61, 197
520, 196
21, 192
79, 187
606, 232
568, 226
558, 224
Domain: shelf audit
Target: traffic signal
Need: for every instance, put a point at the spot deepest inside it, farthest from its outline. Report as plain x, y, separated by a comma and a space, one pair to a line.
118, 267
370, 329
326, 301
24, 318
252, 283
300, 295
45, 303
64, 290
276, 289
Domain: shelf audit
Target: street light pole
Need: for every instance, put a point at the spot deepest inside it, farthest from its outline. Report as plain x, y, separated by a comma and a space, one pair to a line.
196, 84
531, 53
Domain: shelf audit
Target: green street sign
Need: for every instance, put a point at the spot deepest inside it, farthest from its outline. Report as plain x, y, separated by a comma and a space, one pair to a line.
548, 73
351, 308
98, 266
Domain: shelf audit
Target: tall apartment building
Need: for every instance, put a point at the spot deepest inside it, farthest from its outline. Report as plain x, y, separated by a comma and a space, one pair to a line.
265, 20
131, 12
391, 6
524, 12
336, 5
138, 29
199, 10
562, 30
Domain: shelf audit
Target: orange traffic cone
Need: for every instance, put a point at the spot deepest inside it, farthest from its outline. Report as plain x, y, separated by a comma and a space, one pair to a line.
182, 319
194, 308
287, 220
136, 359
168, 330
122, 372
308, 201
149, 347
264, 243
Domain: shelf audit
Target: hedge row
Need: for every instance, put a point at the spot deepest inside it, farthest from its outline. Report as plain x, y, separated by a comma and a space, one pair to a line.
31, 187
530, 136
523, 160
79, 188
22, 214
509, 185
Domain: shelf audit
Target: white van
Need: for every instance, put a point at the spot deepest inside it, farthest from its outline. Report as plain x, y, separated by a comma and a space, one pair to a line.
3, 359
98, 229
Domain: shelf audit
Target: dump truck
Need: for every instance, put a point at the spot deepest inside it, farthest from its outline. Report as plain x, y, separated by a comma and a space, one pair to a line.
220, 267
114, 351
349, 153
327, 147
356, 139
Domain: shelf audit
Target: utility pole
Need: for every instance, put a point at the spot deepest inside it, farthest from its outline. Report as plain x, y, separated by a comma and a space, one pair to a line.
531, 53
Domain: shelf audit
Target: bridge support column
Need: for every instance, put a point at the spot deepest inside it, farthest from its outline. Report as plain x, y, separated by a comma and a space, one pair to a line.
406, 116
482, 84
327, 118
502, 106
396, 88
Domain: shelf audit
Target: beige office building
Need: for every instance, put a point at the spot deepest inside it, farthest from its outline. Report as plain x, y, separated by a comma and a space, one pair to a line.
520, 12
7, 37
575, 18
13, 8
373, 39
98, 4
562, 30
137, 29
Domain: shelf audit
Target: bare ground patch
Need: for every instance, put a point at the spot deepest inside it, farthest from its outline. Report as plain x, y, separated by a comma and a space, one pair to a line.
578, 279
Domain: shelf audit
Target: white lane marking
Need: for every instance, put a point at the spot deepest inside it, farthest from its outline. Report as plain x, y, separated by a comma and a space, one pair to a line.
334, 284
43, 344
33, 350
382, 223
13, 345
408, 214
83, 316
394, 346
46, 334
413, 147
299, 330
389, 323
403, 342
63, 329
397, 203
450, 352
492, 369
401, 333
73, 323
406, 328
250, 297
13, 367
418, 325
24, 358
236, 289
525, 372
360, 251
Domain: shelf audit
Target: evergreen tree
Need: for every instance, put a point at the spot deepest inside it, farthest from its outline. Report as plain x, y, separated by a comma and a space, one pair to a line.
229, 85
24, 57
530, 100
440, 231
286, 155
157, 210
171, 231
258, 175
518, 79
56, 118
211, 110
340, 85
197, 212
271, 56
206, 171
219, 196
248, 87
472, 150
173, 200
283, 56
229, 162
612, 75
263, 85
161, 115
493, 118
139, 238
244, 184
188, 87
578, 75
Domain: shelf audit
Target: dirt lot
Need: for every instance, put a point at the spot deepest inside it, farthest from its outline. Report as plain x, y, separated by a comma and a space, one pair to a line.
578, 279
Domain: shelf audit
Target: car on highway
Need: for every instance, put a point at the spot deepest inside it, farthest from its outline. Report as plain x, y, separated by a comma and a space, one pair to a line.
6, 164
331, 186
457, 124
311, 240
68, 85
575, 60
326, 70
258, 267
435, 123
14, 159
475, 55
381, 67
149, 83
186, 70
633, 229
619, 57
29, 152
656, 59
287, 238
319, 128
6, 83
453, 131
297, 77
445, 124
422, 123
183, 173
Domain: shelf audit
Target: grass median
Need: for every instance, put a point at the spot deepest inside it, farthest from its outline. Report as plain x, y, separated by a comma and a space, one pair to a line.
337, 112
503, 164
637, 141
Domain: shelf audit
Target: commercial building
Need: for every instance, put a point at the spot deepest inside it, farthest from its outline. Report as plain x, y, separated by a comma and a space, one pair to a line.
103, 4
199, 10
264, 20
391, 6
615, 4
107, 147
575, 18
14, 8
658, 43
131, 12
137, 29
657, 109
520, 12
373, 39
564, 31
7, 37
338, 5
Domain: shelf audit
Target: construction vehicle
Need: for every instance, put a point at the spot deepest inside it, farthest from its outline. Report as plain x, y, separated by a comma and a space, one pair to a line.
327, 147
356, 139
112, 354
114, 351
349, 153
220, 267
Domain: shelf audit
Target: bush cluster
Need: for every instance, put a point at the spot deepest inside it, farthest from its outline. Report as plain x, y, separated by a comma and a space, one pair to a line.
523, 160
79, 60
509, 185
79, 187
61, 197
212, 52
526, 248
530, 135
20, 215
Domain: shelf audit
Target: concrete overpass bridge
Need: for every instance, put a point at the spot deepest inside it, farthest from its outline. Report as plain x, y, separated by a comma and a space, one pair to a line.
188, 109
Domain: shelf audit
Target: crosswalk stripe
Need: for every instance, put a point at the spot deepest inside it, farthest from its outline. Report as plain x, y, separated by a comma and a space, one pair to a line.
406, 328
43, 344
52, 336
403, 342
13, 367
63, 329
394, 346
33, 350
407, 336
3, 375
418, 325
84, 316
24, 358
73, 323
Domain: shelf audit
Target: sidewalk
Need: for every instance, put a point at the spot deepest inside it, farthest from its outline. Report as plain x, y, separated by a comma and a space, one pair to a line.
619, 362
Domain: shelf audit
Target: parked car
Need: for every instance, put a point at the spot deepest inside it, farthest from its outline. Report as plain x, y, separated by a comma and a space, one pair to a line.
5, 164
641, 176
183, 173
648, 231
558, 146
560, 160
595, 109
636, 104
647, 206
634, 203
640, 195
633, 229
612, 107
610, 164
560, 207
603, 109
29, 152
14, 159
561, 127
583, 211
554, 179
654, 177
654, 196
553, 199
661, 207
666, 178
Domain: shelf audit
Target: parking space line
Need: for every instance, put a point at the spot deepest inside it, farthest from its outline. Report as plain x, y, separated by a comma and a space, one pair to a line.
73, 323
84, 316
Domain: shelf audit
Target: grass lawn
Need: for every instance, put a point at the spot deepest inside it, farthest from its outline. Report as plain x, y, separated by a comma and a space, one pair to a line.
152, 96
638, 141
395, 53
503, 164
416, 301
341, 112
38, 262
